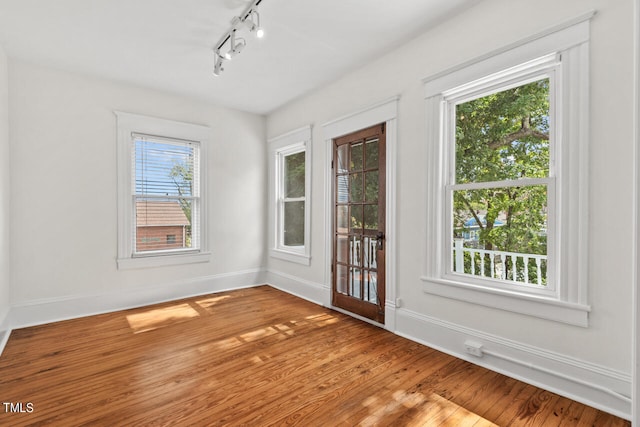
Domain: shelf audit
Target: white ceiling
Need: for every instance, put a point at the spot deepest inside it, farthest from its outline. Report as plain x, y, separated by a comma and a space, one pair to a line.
167, 44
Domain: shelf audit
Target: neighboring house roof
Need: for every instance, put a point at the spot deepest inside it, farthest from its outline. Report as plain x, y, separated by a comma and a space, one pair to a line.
471, 223
157, 213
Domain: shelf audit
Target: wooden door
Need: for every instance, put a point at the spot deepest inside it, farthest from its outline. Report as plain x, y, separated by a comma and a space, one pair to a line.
359, 222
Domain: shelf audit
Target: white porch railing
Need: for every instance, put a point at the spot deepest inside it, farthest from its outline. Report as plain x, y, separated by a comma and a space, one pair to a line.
511, 266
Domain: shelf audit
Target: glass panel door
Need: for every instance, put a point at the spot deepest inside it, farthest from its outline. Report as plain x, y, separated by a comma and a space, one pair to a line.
359, 226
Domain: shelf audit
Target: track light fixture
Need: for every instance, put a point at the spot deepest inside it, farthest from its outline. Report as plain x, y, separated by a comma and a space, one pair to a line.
249, 19
252, 21
236, 44
217, 68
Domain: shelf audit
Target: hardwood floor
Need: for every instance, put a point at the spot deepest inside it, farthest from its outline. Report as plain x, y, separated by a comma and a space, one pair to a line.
256, 357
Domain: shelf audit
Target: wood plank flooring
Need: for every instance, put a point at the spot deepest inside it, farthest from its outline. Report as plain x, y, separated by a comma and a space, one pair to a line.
256, 357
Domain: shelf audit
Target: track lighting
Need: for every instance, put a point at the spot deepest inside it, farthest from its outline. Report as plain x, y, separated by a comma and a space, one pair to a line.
249, 19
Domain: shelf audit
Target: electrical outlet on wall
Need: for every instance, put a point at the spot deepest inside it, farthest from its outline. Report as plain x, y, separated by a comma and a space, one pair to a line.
474, 348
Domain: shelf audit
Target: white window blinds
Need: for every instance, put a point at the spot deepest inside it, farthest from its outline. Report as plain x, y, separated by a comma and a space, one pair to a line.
166, 194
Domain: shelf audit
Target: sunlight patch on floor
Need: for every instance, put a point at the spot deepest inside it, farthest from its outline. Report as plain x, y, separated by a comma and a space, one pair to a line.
210, 302
419, 409
322, 319
225, 344
160, 317
230, 343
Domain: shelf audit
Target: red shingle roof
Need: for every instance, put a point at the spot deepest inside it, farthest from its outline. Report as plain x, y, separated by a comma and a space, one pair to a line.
158, 213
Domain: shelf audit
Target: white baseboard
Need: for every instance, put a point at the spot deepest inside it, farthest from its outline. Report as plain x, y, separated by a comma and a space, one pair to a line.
50, 310
5, 328
311, 291
591, 384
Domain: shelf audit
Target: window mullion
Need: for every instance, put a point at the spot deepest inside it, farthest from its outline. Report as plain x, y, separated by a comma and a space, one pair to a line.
525, 182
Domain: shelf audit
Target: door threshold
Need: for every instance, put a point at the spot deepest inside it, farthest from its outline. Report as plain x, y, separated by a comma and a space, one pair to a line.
357, 316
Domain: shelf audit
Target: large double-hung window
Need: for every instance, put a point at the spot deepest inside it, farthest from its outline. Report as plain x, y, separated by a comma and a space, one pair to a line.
500, 189
508, 182
161, 192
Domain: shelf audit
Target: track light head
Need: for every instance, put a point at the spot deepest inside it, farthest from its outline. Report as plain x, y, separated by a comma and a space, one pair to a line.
217, 68
252, 21
235, 45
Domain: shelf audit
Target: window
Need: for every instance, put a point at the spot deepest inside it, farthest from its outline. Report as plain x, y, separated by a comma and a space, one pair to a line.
166, 194
508, 150
291, 200
161, 206
500, 184
291, 195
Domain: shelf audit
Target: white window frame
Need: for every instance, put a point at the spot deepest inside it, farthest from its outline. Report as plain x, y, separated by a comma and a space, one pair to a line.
129, 126
546, 67
280, 147
560, 53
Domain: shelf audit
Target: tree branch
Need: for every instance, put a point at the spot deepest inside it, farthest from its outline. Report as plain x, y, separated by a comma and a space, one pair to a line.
473, 212
524, 131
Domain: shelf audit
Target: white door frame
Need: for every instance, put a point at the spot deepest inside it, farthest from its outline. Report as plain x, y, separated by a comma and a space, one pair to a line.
382, 112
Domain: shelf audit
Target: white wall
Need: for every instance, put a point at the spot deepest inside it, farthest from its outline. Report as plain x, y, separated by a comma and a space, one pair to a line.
63, 174
605, 346
4, 195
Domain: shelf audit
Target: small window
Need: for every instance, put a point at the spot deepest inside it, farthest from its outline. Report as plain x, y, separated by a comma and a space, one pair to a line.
292, 199
290, 195
161, 209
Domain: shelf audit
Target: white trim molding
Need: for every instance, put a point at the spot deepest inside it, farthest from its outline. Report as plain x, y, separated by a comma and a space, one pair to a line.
588, 383
305, 289
127, 125
562, 53
48, 310
382, 112
635, 368
5, 328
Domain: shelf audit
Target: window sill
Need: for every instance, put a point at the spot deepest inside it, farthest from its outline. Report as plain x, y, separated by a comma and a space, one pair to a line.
544, 308
291, 256
162, 260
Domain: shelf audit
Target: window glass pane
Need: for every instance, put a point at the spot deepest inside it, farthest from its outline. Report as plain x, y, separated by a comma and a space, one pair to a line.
504, 135
163, 224
357, 219
342, 219
370, 252
355, 282
356, 157
355, 250
371, 186
356, 192
371, 286
342, 279
371, 154
343, 245
294, 175
501, 233
371, 217
343, 158
164, 168
343, 189
294, 223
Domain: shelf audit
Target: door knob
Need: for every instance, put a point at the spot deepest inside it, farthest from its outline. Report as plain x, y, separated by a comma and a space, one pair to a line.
379, 240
